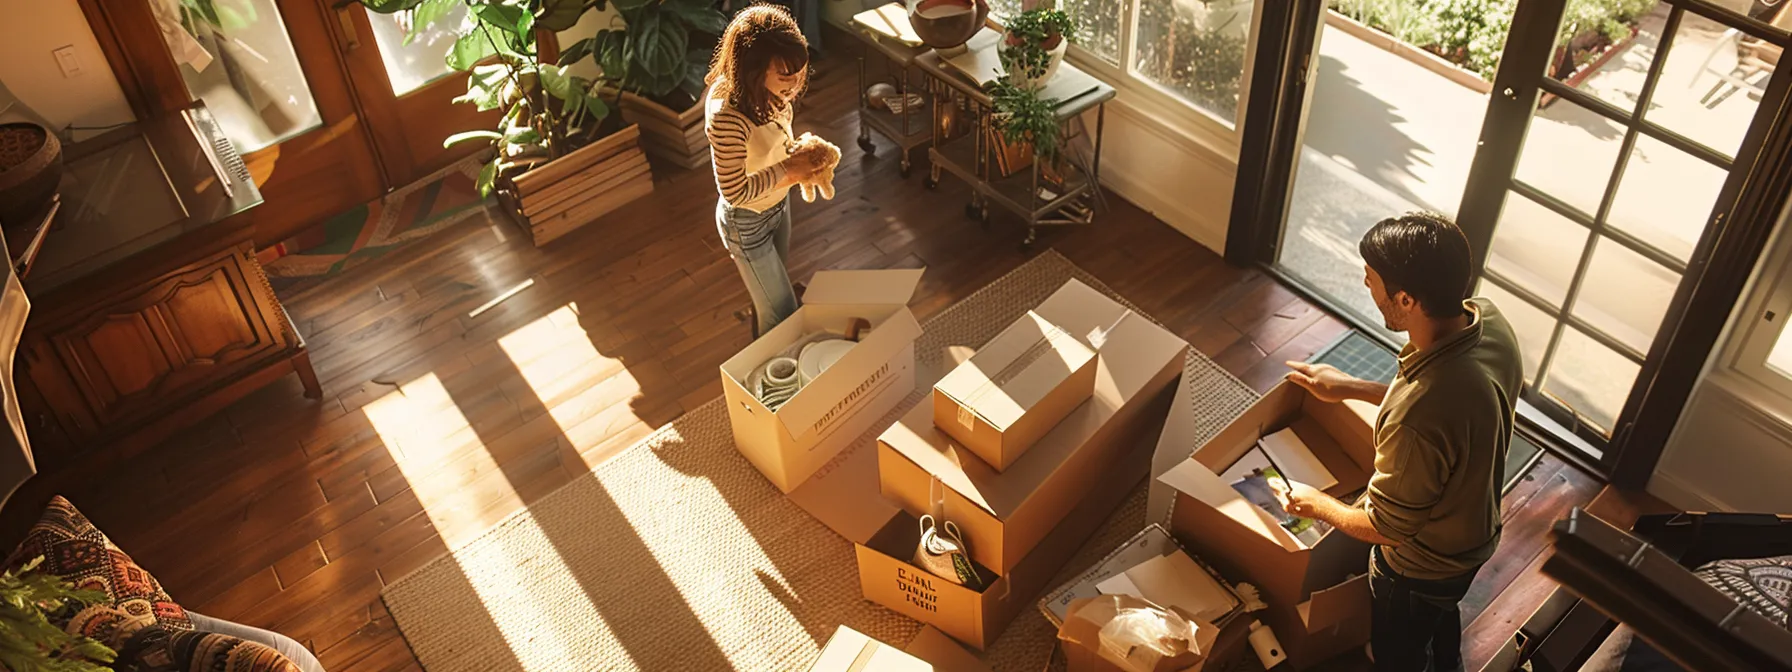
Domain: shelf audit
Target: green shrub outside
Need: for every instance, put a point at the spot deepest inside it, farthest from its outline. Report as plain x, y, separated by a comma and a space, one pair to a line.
1472, 33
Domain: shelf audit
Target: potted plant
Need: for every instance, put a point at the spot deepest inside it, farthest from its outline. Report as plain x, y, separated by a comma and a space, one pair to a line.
1033, 45
27, 599
560, 159
1026, 126
656, 60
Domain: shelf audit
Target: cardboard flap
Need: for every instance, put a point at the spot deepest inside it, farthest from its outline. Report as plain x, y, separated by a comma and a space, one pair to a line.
843, 494
1015, 370
1081, 310
891, 286
1197, 481
1336, 605
851, 651
851, 379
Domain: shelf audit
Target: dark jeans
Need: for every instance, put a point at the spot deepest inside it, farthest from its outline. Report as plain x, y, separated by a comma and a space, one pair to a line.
1415, 625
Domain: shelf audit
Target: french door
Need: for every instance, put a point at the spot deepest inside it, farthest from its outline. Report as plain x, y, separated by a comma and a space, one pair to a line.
326, 102
1607, 173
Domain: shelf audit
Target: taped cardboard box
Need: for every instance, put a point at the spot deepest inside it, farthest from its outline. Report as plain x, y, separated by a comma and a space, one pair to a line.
1091, 643
887, 577
1318, 597
1004, 514
852, 651
842, 403
1015, 389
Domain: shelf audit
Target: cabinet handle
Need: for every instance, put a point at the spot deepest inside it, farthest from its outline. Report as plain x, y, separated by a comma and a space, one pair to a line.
351, 39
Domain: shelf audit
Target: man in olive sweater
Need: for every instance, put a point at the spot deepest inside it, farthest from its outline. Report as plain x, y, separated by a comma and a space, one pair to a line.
1433, 505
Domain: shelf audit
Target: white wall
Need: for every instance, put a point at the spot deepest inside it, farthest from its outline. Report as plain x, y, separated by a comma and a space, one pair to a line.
1182, 177
1732, 449
29, 70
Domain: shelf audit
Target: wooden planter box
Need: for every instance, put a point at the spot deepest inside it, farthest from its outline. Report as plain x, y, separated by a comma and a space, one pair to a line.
551, 199
676, 137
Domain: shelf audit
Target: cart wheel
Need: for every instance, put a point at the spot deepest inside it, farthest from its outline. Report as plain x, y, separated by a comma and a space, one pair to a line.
972, 211
868, 146
930, 182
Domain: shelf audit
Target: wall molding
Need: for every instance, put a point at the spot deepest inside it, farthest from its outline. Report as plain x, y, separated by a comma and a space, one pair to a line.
1682, 495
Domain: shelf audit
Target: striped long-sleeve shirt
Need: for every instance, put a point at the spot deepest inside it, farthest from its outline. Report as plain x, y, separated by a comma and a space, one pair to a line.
747, 158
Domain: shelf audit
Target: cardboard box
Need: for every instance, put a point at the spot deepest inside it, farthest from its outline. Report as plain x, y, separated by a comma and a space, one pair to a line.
1152, 542
1081, 639
888, 578
942, 653
1015, 389
851, 651
843, 402
1004, 514
1319, 597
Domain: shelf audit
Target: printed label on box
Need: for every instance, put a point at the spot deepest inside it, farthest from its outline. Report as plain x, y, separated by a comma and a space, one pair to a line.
917, 589
868, 390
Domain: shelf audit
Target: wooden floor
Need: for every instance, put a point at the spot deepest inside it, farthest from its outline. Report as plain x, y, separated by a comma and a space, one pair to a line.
293, 514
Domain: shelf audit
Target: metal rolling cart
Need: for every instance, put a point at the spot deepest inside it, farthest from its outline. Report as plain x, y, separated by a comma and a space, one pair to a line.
883, 31
1023, 193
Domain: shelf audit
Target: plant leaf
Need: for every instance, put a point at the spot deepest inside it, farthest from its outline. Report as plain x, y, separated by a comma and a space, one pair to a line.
522, 136
577, 51
558, 15
558, 85
503, 16
699, 15
485, 87
487, 176
469, 50
464, 136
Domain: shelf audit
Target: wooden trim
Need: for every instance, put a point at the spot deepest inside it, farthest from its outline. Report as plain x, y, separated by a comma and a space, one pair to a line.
558, 169
122, 70
1756, 196
1269, 142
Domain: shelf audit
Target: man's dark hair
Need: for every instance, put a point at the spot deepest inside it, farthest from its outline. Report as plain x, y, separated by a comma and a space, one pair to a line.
1424, 255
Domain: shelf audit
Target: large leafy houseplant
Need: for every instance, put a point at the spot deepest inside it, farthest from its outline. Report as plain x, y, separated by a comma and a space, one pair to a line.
661, 48
28, 641
547, 111
1023, 117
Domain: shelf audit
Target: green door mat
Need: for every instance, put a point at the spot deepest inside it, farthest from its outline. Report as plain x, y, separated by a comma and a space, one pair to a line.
1365, 358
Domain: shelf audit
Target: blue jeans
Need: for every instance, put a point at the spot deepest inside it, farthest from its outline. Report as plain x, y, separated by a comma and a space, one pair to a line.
759, 242
1414, 623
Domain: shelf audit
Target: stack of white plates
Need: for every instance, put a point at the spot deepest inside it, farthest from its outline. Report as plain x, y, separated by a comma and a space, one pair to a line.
818, 356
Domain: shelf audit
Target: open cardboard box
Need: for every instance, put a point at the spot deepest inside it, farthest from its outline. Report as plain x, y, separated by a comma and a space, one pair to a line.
1015, 389
843, 402
1005, 514
887, 577
1318, 597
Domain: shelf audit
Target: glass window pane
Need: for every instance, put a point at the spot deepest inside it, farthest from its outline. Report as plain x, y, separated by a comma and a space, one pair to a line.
1665, 197
1590, 378
1002, 9
1597, 52
236, 56
1195, 50
1534, 327
1624, 294
1712, 83
409, 66
1780, 358
1536, 248
1098, 28
1569, 153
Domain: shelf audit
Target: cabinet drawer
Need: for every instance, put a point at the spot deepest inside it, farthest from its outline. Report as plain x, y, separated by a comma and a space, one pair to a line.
140, 353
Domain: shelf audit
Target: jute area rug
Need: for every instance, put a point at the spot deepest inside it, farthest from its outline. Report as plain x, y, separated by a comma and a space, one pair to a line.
678, 555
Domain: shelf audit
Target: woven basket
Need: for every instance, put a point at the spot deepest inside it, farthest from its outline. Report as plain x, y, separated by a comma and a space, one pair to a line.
30, 170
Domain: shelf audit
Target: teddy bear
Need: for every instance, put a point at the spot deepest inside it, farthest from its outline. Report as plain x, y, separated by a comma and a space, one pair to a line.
822, 181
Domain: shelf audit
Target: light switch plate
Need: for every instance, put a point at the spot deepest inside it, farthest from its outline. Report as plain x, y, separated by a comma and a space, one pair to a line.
66, 59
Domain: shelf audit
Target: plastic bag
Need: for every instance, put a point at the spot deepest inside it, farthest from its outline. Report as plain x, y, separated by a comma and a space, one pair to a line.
1119, 632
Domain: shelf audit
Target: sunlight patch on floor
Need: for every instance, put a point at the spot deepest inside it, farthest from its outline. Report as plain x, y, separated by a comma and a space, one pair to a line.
420, 424
687, 546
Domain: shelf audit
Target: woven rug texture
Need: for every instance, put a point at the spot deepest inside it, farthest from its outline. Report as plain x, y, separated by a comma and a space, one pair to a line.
677, 555
374, 229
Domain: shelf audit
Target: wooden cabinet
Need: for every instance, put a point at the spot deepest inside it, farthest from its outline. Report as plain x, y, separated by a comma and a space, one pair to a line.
144, 356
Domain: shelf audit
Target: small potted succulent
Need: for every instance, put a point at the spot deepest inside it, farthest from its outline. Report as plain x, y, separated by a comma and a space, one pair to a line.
1033, 45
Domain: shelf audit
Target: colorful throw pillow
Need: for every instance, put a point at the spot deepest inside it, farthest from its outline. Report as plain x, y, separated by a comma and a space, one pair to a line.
75, 550
150, 632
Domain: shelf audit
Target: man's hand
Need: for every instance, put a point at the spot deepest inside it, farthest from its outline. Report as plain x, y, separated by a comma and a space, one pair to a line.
1329, 384
1298, 499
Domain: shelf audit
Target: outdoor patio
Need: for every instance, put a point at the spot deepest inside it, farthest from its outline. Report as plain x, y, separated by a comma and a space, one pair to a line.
1386, 135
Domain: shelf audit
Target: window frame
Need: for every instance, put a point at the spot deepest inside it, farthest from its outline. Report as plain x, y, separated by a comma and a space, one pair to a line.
1157, 103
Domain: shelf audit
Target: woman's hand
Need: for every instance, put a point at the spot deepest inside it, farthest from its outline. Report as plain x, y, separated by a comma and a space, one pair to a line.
802, 165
